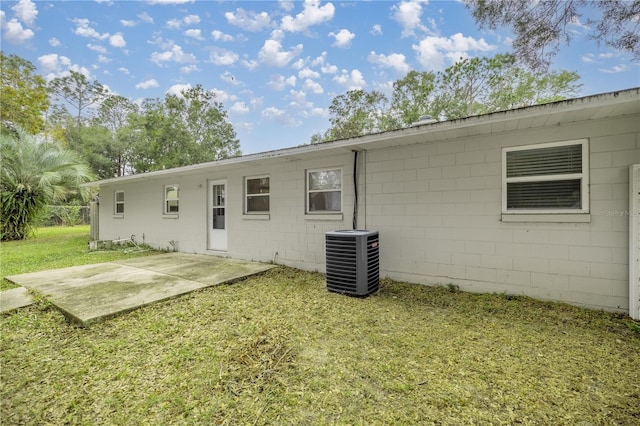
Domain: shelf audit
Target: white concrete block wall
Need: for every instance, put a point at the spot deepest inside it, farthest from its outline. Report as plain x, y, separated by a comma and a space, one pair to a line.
450, 228
437, 207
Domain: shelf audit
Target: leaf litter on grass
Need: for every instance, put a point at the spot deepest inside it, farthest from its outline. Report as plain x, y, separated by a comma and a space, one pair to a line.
279, 348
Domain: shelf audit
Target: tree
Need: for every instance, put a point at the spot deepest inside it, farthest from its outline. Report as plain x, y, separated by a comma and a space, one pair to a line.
356, 113
23, 94
181, 130
113, 114
413, 97
78, 92
541, 26
471, 86
34, 173
475, 86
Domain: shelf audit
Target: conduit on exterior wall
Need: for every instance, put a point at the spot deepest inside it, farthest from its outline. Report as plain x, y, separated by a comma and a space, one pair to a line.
355, 189
634, 241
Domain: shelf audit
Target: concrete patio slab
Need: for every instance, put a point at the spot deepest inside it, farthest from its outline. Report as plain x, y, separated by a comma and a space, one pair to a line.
91, 293
14, 298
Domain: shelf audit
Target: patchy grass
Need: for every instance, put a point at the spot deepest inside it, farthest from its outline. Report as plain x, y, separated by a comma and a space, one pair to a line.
278, 348
51, 248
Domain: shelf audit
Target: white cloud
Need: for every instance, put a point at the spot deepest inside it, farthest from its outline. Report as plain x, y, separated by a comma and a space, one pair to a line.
188, 69
279, 82
194, 33
312, 14
350, 80
249, 21
223, 96
286, 5
177, 89
83, 29
397, 61
343, 38
26, 11
148, 84
433, 51
308, 73
239, 108
176, 54
53, 62
169, 1
272, 54
313, 86
329, 69
298, 97
103, 59
14, 32
97, 48
191, 19
117, 40
145, 17
220, 56
174, 24
229, 78
280, 116
128, 23
376, 30
409, 15
250, 64
588, 58
575, 21
615, 69
220, 36
325, 67
123, 70
54, 42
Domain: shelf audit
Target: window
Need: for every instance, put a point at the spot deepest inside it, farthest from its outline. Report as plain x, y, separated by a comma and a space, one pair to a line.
171, 199
118, 207
546, 178
257, 192
324, 191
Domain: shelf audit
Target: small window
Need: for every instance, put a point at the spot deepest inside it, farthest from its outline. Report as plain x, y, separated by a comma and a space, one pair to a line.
324, 191
118, 207
171, 199
257, 192
546, 178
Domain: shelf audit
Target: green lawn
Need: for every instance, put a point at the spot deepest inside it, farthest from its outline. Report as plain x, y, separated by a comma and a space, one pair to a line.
279, 349
51, 248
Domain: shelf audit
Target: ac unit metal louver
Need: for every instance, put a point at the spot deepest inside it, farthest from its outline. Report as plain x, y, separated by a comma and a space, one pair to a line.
353, 262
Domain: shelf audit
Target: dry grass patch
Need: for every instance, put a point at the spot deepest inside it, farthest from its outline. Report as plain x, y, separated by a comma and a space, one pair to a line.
278, 348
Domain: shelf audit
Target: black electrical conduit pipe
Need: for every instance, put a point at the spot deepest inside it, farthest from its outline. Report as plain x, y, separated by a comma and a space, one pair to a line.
355, 189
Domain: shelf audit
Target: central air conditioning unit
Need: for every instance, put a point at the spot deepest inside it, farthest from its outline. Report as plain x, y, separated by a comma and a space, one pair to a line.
353, 262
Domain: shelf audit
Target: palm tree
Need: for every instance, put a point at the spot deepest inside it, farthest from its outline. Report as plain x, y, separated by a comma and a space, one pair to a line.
33, 174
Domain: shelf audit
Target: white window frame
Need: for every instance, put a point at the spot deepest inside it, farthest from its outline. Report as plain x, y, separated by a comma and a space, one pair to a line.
584, 179
166, 200
308, 191
247, 195
117, 203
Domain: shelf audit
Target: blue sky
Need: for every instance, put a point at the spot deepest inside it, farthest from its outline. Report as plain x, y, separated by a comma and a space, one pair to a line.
275, 65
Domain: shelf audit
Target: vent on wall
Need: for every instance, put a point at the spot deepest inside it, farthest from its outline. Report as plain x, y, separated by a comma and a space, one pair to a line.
353, 262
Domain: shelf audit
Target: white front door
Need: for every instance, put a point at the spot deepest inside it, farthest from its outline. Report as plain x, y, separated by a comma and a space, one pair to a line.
217, 222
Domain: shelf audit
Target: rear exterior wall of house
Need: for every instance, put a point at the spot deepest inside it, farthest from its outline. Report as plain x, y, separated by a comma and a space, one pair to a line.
436, 205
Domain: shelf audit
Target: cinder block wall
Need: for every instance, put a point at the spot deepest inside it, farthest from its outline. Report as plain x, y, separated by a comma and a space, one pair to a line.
437, 206
438, 209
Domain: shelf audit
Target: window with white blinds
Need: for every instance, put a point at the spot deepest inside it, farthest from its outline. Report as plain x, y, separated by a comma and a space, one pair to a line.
546, 178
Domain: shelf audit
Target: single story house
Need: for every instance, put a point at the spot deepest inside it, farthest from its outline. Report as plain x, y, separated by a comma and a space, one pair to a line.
538, 201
